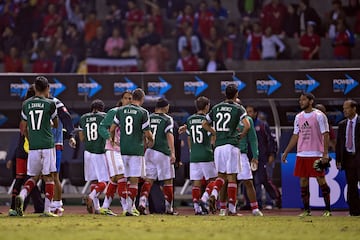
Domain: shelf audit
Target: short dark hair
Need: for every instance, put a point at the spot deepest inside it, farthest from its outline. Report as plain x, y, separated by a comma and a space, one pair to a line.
231, 91
98, 105
309, 96
138, 94
253, 107
161, 102
201, 102
41, 83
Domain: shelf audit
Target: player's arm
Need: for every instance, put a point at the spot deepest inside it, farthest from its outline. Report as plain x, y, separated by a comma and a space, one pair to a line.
105, 125
170, 141
246, 124
206, 125
292, 143
150, 138
252, 138
324, 129
24, 129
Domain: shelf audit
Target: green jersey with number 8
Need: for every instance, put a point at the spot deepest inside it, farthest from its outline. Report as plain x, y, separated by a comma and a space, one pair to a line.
133, 120
37, 112
225, 117
89, 124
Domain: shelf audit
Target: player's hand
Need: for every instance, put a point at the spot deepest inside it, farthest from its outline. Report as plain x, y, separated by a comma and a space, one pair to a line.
150, 143
338, 165
182, 129
283, 158
172, 158
254, 164
9, 164
271, 158
72, 142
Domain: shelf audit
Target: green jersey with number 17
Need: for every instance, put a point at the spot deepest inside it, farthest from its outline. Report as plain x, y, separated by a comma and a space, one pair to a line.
133, 120
89, 124
160, 125
37, 112
225, 117
200, 139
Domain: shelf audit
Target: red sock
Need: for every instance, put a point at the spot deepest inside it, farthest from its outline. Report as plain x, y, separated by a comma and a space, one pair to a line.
122, 187
219, 182
133, 191
168, 192
49, 190
145, 189
100, 187
111, 189
195, 194
254, 205
222, 205
29, 185
210, 187
232, 192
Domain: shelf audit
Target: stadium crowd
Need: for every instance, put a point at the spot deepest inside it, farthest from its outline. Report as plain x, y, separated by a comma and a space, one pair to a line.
57, 36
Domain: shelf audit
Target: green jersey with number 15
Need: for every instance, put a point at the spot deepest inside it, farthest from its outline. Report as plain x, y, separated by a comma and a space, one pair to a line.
37, 112
225, 117
89, 124
133, 120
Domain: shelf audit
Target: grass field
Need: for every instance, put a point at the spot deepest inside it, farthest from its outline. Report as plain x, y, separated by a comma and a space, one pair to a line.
163, 227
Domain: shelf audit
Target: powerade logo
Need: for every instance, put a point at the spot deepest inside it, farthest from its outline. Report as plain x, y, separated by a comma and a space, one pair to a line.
267, 86
56, 88
306, 86
195, 87
120, 87
3, 119
344, 85
19, 89
240, 84
89, 89
158, 88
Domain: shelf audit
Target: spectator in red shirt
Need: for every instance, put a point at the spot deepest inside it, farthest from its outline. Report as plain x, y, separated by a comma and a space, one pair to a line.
204, 20
190, 40
310, 43
134, 16
343, 41
155, 17
215, 41
187, 61
234, 43
273, 15
12, 62
91, 24
185, 18
51, 21
253, 48
43, 64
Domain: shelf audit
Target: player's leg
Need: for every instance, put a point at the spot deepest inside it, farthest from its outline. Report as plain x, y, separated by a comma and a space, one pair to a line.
90, 176
57, 204
19, 181
49, 166
233, 166
325, 190
305, 196
196, 177
102, 176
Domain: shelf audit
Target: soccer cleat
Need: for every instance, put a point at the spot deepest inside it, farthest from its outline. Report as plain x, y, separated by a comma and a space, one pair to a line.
89, 204
232, 214
306, 213
59, 211
19, 205
257, 212
223, 212
199, 213
142, 210
204, 207
173, 213
135, 212
327, 213
268, 207
106, 211
127, 214
12, 213
212, 204
48, 214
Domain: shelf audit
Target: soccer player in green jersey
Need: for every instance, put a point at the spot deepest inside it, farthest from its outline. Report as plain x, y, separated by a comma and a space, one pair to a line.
134, 123
113, 157
201, 154
95, 167
38, 115
160, 158
225, 117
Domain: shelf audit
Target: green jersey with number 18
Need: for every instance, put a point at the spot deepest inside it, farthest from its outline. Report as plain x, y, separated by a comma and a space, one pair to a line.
89, 124
225, 117
37, 112
133, 120
200, 139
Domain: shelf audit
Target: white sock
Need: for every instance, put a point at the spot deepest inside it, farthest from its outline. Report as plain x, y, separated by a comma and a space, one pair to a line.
107, 202
56, 204
143, 201
123, 203
232, 208
205, 197
92, 195
23, 193
96, 203
196, 207
129, 203
215, 193
47, 205
168, 206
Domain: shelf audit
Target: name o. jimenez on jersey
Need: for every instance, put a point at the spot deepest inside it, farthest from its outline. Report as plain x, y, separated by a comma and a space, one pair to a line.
89, 124
226, 117
132, 120
38, 112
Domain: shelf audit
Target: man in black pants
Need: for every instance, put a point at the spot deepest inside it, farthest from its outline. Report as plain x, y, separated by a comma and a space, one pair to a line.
348, 154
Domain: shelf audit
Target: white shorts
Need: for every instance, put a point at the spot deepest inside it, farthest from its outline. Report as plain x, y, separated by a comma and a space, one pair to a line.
245, 173
114, 162
95, 167
198, 170
41, 161
227, 159
158, 165
134, 166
